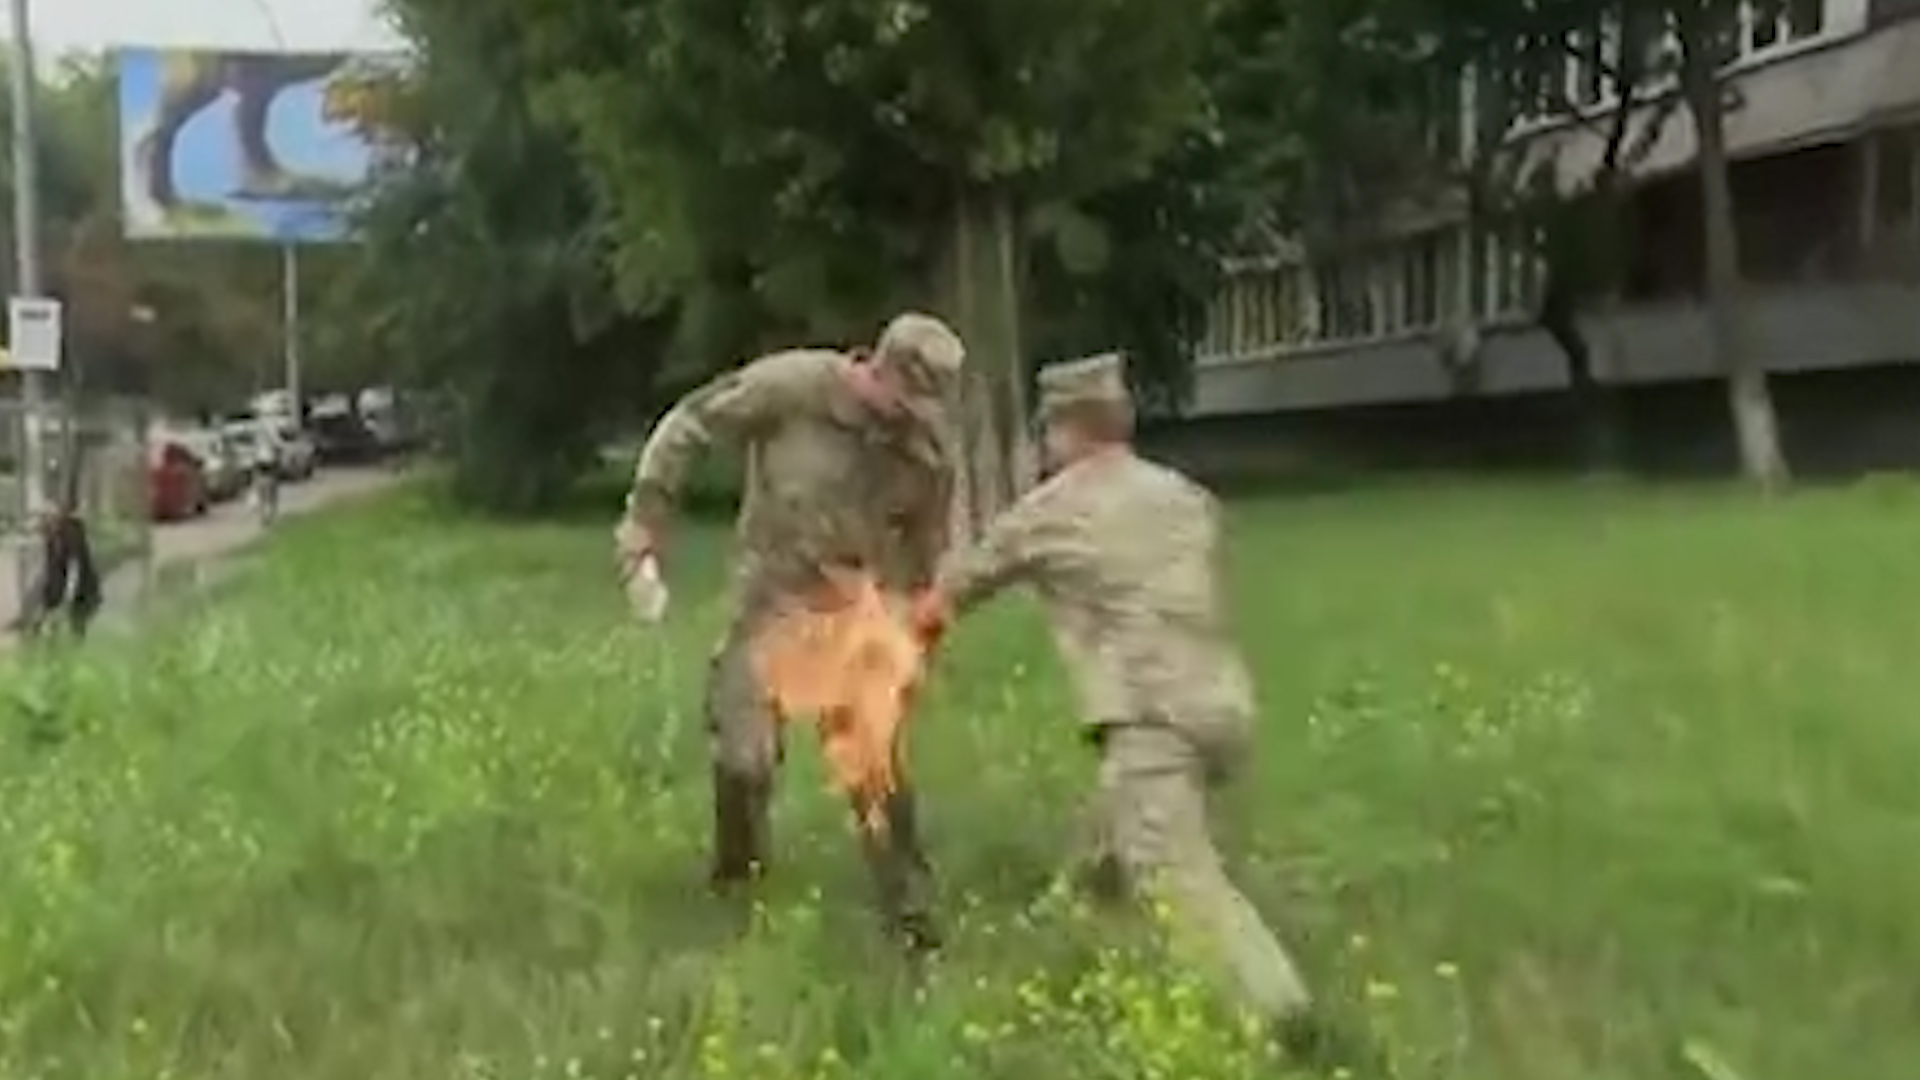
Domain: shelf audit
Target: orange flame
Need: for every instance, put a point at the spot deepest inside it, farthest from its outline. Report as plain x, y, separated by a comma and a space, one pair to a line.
849, 660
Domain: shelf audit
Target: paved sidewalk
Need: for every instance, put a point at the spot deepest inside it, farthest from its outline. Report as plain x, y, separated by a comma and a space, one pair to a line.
226, 530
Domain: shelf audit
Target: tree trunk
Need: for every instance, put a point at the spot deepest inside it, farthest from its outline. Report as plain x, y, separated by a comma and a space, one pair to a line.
1592, 399
979, 283
1755, 423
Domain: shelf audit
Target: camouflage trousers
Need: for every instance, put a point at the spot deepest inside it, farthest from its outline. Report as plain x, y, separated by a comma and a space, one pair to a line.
1149, 836
747, 751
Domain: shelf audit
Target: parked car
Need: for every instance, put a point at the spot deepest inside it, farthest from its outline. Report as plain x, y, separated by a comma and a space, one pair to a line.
342, 439
226, 474
297, 457
176, 482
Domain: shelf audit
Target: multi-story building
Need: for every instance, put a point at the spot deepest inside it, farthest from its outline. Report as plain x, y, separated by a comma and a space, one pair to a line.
1411, 338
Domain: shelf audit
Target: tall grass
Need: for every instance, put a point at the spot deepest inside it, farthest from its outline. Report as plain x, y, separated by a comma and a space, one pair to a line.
1553, 785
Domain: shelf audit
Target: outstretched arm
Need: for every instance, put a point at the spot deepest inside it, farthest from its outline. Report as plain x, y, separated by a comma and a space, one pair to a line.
1015, 546
729, 409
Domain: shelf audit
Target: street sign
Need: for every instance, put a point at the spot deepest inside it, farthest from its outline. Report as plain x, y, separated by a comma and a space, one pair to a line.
34, 337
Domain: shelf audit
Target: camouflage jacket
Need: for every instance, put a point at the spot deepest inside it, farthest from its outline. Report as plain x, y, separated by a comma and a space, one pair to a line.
827, 482
1122, 553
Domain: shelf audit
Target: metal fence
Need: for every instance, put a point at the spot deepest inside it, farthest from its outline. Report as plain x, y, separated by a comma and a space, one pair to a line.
94, 454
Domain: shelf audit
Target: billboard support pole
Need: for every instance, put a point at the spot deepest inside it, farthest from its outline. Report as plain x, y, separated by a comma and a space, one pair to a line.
26, 230
32, 463
290, 317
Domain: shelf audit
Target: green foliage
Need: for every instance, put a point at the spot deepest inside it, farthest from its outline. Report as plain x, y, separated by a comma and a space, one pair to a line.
775, 173
845, 129
480, 276
415, 799
1135, 267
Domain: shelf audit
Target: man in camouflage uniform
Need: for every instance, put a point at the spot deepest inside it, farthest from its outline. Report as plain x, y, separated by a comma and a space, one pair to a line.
1122, 553
846, 466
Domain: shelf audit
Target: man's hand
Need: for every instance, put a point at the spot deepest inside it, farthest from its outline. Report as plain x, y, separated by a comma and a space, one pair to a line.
929, 615
633, 543
637, 553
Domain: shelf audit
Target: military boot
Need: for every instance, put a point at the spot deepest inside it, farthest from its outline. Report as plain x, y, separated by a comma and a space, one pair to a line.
739, 828
902, 875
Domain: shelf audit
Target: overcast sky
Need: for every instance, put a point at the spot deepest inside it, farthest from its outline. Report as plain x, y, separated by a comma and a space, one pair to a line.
309, 25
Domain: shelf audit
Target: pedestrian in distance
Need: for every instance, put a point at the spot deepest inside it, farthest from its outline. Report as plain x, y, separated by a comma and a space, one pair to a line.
67, 581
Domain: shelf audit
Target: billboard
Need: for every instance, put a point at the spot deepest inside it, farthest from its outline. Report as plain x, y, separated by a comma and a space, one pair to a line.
262, 146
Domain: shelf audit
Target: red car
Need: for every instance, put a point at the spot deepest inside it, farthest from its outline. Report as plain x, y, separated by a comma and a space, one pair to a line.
176, 483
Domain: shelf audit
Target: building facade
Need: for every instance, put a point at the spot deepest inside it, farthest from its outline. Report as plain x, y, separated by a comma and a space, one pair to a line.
1825, 136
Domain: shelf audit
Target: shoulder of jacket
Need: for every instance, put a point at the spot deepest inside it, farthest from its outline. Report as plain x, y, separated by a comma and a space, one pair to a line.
1174, 486
797, 372
1163, 473
798, 363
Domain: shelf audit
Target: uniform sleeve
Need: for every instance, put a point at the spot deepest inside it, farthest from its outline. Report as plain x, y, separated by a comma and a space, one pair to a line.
729, 409
931, 529
1015, 545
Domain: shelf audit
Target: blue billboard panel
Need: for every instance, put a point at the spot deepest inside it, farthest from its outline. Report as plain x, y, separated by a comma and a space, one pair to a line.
264, 146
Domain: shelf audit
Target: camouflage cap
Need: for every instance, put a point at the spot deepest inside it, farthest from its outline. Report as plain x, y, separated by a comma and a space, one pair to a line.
922, 348
1096, 380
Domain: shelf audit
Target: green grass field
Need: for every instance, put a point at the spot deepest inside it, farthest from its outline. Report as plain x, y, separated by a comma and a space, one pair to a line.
1555, 784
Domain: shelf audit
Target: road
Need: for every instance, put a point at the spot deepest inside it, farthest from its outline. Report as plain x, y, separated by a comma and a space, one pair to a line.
226, 529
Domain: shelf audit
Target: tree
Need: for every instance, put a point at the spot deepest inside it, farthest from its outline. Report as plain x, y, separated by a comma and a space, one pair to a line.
1410, 104
1578, 224
1635, 53
1704, 33
850, 156
481, 272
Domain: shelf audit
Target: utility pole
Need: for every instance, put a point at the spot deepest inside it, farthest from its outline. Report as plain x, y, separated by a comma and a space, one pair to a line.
290, 318
32, 463
26, 238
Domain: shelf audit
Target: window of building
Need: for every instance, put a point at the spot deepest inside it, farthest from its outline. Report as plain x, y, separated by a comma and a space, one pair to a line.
1478, 298
1406, 287
1543, 79
1388, 291
1258, 309
1589, 70
1764, 24
1805, 18
1352, 313
1429, 276
1254, 296
1520, 273
1326, 321
1550, 75
1213, 341
1507, 273
1279, 323
1440, 113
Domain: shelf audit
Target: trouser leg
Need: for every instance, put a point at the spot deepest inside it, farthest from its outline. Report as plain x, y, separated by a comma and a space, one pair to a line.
902, 874
740, 827
1095, 869
746, 754
1154, 787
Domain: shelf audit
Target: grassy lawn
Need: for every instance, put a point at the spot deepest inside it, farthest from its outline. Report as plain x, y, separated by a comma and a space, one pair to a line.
1574, 784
